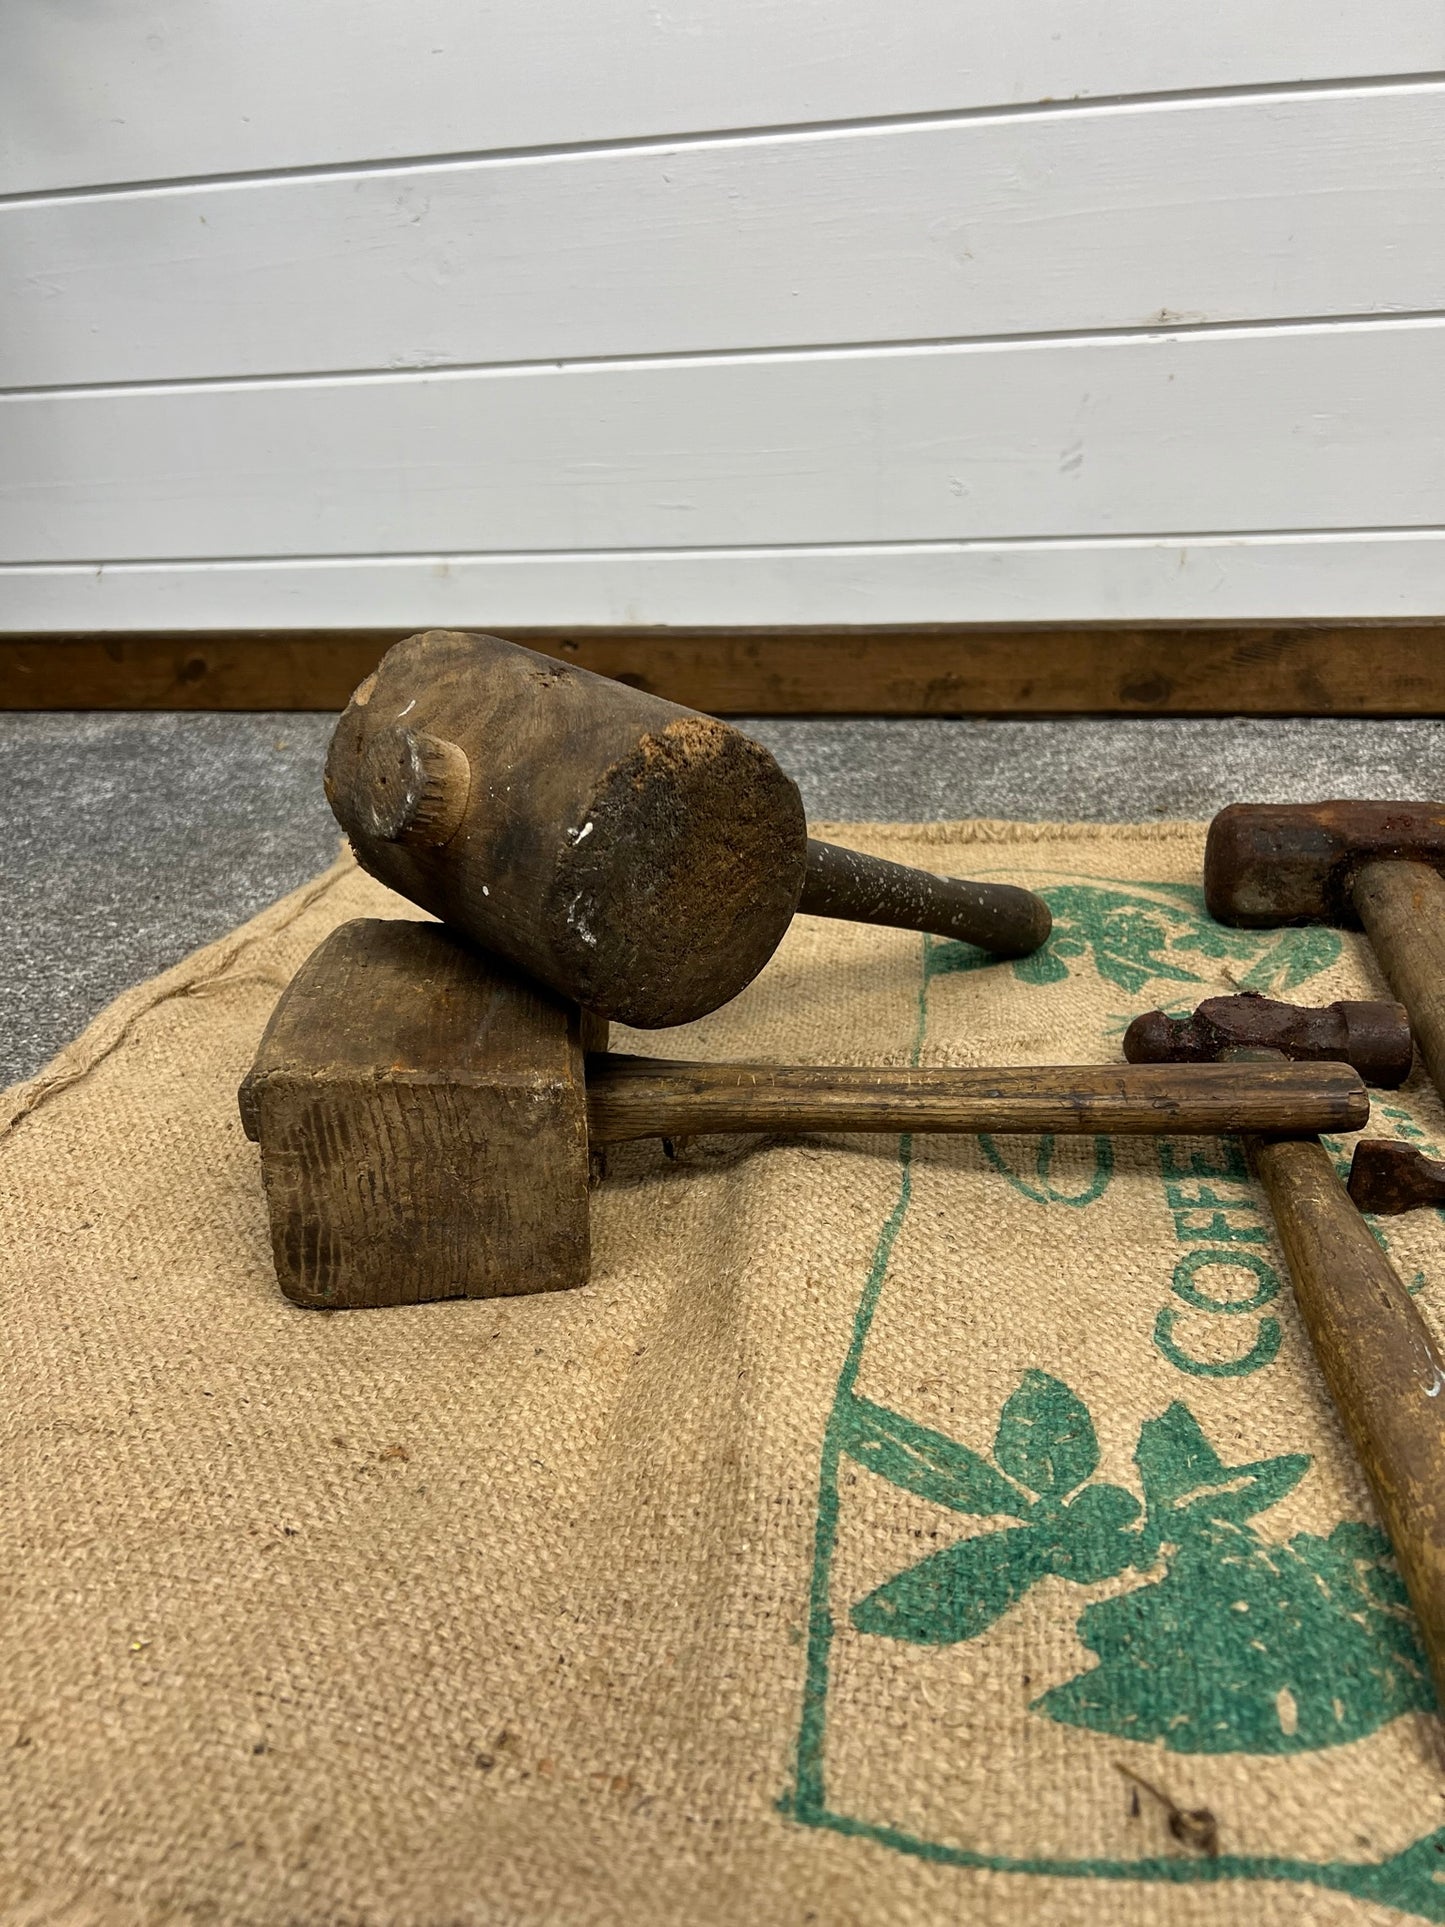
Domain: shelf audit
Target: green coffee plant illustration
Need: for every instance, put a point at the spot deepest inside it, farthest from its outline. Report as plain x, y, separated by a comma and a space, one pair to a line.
1233, 1642
1136, 939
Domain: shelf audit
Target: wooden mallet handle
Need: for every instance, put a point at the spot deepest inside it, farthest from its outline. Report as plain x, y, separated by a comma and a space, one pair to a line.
1384, 1370
997, 917
636, 1097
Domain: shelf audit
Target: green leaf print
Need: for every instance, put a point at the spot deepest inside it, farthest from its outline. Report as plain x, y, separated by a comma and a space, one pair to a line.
1248, 1647
1151, 933
1186, 1483
1091, 1540
1238, 1644
1045, 1437
957, 1593
935, 1467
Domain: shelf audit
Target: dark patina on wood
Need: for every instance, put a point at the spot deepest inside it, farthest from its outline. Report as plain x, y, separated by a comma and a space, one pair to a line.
868, 889
1374, 1037
422, 1123
1388, 1178
425, 1115
1378, 1358
1392, 667
642, 859
635, 1097
1374, 864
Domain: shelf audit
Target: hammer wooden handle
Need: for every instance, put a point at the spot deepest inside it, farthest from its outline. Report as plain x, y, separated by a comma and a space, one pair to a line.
868, 889
633, 1097
1382, 1366
1402, 906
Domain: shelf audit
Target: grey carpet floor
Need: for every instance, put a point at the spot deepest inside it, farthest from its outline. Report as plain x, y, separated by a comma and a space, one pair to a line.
128, 839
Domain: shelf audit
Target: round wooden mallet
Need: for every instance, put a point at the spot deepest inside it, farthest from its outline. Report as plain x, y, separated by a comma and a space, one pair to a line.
641, 859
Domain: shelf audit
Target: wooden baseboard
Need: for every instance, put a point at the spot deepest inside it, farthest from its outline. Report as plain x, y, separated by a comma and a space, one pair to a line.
1319, 669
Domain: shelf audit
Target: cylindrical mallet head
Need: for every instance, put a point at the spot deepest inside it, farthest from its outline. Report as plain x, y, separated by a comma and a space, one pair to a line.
640, 859
1373, 1037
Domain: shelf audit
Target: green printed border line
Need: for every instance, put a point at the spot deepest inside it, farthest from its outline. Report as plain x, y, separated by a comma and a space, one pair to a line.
1412, 1880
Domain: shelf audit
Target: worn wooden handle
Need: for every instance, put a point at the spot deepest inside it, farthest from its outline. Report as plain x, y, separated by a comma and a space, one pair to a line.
1402, 906
1381, 1364
868, 889
632, 1097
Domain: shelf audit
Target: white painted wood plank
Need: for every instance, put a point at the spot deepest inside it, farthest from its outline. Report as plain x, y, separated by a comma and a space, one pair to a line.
1222, 578
1198, 211
133, 90
1330, 426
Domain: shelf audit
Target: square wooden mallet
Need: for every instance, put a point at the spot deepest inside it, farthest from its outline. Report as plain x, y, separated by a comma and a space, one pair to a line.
425, 1115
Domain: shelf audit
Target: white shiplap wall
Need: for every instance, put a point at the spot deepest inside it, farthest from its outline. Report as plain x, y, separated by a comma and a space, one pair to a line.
720, 311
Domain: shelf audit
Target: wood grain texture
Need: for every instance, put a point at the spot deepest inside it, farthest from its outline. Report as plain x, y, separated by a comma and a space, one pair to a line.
1359, 670
632, 1097
167, 88
1402, 906
1384, 1369
422, 1125
1148, 215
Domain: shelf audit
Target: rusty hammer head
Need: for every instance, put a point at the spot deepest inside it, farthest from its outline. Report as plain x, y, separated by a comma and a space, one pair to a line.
1373, 1037
1276, 863
1388, 1178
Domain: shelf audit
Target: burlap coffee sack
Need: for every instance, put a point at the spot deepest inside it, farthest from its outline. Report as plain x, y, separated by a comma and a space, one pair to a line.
824, 1560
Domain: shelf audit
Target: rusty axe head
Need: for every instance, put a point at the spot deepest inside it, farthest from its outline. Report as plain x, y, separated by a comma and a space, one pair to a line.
1373, 1037
1274, 863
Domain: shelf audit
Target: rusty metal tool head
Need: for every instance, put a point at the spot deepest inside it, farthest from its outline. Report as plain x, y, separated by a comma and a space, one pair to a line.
641, 859
1278, 863
1387, 1178
1373, 1037
1375, 864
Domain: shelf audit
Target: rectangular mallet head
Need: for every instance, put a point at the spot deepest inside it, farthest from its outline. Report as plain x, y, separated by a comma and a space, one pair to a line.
423, 1124
425, 1115
1279, 863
